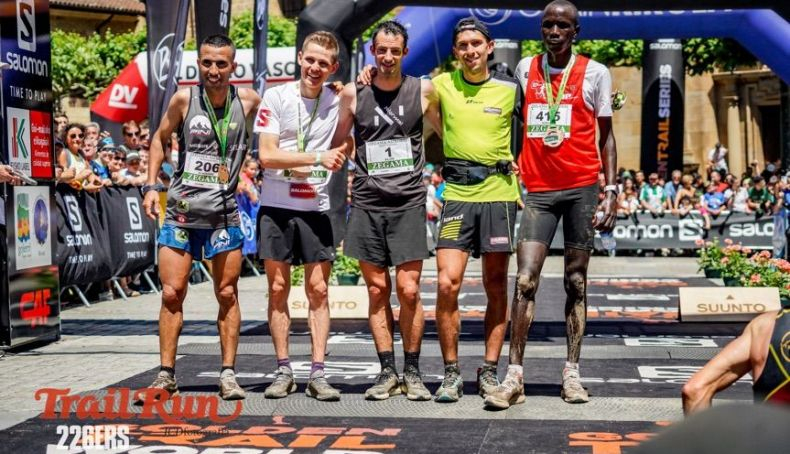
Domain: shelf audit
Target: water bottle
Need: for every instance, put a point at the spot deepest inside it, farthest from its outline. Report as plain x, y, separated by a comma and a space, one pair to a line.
607, 239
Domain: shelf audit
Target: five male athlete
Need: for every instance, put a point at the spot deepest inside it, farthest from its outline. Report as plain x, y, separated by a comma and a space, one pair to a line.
561, 98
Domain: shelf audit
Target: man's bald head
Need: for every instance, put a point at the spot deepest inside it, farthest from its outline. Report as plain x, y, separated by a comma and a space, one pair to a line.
565, 5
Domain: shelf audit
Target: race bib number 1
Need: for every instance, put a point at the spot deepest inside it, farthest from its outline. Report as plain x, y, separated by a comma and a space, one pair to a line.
538, 119
389, 156
200, 171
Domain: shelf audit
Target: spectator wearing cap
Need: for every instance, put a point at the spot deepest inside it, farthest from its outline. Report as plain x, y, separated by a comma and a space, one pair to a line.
133, 171
652, 196
101, 164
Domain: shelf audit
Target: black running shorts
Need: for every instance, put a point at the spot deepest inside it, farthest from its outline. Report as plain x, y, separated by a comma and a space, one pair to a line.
477, 227
576, 207
295, 237
387, 238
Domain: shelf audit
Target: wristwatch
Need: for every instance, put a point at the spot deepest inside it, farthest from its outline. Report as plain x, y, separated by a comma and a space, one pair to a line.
611, 188
150, 187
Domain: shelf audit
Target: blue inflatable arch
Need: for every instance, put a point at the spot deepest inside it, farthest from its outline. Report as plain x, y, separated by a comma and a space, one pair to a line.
763, 32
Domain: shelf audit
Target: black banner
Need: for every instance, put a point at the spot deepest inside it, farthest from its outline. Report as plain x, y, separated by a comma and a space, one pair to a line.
663, 91
644, 231
212, 17
131, 234
29, 307
167, 23
83, 256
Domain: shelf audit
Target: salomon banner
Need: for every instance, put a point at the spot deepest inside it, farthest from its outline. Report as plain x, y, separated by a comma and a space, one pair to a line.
83, 256
29, 307
131, 234
212, 17
643, 231
167, 23
663, 91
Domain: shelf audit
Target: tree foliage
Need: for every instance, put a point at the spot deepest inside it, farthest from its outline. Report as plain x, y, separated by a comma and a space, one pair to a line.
84, 66
701, 55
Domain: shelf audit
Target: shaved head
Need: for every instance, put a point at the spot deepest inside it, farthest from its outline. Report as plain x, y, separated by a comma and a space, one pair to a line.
565, 5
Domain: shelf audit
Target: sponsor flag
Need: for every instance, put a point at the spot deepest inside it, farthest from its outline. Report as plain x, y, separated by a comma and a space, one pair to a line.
663, 90
167, 22
248, 211
212, 17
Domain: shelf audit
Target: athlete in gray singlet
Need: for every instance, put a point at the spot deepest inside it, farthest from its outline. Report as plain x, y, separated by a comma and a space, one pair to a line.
387, 223
202, 218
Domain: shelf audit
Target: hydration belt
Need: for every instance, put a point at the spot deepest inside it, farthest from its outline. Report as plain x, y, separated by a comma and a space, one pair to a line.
467, 173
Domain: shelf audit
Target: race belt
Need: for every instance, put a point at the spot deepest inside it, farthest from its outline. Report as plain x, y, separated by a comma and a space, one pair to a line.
467, 173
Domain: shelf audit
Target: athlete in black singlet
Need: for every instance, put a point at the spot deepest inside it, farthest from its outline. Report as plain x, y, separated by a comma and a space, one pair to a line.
763, 349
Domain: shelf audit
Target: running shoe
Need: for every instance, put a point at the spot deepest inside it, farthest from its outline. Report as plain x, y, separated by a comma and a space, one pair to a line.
510, 392
162, 381
320, 389
282, 385
487, 381
387, 385
413, 386
452, 387
229, 388
572, 390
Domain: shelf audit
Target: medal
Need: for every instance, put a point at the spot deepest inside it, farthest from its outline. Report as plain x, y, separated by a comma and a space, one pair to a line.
553, 136
222, 174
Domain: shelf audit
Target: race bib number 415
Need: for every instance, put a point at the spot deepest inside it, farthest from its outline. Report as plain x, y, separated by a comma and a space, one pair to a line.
200, 171
538, 119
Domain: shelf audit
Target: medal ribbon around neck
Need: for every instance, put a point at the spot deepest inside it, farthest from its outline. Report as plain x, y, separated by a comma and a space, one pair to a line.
302, 136
220, 130
554, 104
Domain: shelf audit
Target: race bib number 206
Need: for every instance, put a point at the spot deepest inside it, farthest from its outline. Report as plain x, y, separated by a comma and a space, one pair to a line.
200, 171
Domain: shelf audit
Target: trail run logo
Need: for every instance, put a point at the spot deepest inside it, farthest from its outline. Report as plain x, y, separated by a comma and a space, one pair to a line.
156, 404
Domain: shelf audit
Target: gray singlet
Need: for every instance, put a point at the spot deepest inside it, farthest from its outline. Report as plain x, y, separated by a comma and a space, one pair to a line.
196, 198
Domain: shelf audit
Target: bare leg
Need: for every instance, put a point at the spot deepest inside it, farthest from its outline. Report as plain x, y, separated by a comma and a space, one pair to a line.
174, 266
451, 264
576, 262
380, 318
279, 276
412, 318
227, 268
531, 255
495, 283
316, 277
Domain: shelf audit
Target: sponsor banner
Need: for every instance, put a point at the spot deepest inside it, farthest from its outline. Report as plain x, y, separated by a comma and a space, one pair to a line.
32, 222
726, 304
643, 231
166, 21
83, 256
663, 90
345, 301
212, 17
126, 98
132, 235
27, 87
260, 43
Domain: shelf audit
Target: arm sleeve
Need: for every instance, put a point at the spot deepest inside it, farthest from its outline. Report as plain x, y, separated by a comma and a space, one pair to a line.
517, 129
267, 120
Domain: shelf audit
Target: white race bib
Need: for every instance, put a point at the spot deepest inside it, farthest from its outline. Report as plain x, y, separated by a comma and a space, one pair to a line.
389, 156
538, 119
200, 171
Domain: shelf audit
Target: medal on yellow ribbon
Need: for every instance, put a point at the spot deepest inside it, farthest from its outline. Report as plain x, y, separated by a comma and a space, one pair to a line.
555, 134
